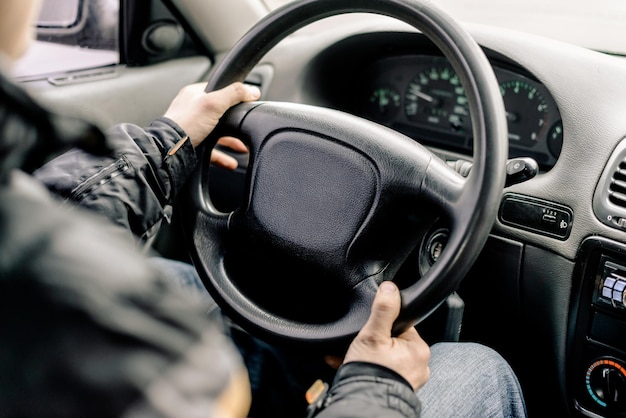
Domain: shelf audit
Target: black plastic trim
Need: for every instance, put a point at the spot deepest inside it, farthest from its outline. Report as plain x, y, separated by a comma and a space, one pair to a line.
536, 215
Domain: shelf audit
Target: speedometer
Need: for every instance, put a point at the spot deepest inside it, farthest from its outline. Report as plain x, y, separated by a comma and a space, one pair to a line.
435, 98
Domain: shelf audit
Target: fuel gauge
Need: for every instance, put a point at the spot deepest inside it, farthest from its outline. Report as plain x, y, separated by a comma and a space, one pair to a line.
383, 103
555, 139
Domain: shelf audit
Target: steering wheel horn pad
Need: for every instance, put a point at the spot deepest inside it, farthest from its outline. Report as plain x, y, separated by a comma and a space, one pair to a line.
312, 193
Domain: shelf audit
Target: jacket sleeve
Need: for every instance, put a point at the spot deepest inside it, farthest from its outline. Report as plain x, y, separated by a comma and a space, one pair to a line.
134, 186
367, 390
91, 329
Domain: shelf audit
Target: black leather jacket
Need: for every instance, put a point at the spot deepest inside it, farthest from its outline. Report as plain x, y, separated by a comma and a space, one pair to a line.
134, 185
70, 269
88, 327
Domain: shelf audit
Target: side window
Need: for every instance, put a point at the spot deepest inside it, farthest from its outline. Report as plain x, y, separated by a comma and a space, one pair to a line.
72, 35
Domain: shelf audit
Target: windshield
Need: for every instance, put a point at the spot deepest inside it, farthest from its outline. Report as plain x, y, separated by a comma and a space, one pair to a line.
598, 24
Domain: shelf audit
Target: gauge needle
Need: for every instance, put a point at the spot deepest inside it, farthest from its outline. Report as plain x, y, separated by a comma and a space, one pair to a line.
422, 95
425, 96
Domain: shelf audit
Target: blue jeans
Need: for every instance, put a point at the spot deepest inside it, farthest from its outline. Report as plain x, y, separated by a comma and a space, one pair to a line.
467, 379
470, 380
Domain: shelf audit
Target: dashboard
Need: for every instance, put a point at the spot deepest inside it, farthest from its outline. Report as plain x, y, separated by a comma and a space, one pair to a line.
403, 81
565, 109
422, 97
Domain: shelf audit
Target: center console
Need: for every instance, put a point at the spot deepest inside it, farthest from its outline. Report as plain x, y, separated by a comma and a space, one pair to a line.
597, 335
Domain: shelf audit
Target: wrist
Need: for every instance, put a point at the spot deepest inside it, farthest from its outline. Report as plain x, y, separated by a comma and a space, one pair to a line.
359, 368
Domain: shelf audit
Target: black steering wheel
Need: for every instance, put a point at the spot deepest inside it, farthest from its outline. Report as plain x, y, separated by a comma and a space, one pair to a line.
334, 204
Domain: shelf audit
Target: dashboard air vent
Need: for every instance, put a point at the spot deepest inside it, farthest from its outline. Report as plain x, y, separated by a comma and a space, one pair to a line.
609, 200
617, 187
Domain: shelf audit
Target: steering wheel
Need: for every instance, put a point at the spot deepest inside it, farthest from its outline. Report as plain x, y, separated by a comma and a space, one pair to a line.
334, 204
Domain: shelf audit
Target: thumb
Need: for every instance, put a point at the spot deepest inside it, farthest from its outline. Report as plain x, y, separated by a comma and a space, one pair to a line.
385, 309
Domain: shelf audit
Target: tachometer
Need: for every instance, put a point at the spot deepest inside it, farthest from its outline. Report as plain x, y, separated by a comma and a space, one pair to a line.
526, 112
435, 98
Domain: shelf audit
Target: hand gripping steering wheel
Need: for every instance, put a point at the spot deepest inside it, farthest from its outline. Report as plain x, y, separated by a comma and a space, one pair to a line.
334, 203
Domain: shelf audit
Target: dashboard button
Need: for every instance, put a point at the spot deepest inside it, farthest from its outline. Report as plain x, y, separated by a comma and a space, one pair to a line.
536, 215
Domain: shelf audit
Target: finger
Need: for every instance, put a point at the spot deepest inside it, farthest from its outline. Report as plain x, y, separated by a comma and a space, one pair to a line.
223, 160
385, 309
333, 361
233, 143
237, 92
410, 334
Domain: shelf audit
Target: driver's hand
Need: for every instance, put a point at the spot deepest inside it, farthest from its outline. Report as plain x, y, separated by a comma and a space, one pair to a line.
407, 354
198, 113
224, 160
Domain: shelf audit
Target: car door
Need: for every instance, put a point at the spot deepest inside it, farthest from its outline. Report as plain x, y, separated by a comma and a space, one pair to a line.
114, 61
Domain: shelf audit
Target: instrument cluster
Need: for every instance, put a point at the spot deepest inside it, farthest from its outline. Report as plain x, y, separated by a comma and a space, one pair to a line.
422, 97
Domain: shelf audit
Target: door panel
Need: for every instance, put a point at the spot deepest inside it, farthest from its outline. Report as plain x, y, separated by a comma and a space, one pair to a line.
130, 94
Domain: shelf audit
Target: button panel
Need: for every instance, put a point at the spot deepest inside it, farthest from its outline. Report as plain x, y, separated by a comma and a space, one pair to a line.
536, 215
612, 286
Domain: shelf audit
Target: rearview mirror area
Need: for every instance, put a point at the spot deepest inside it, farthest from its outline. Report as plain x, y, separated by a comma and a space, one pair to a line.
83, 23
60, 14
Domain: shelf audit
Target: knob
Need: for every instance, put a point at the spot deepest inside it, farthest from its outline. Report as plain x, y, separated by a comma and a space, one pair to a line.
606, 383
